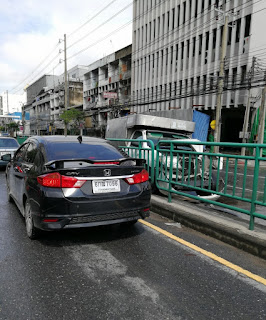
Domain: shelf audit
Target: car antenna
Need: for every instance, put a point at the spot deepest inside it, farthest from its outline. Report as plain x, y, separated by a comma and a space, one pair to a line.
79, 139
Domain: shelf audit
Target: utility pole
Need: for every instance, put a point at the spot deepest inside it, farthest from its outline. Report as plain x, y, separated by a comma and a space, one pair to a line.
262, 114
66, 83
217, 133
247, 113
7, 104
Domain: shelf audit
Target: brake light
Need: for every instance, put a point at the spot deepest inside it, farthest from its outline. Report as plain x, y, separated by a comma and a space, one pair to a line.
52, 180
107, 162
50, 220
138, 177
56, 180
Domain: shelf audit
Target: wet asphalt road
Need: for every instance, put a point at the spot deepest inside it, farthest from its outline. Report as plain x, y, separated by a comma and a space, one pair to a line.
118, 273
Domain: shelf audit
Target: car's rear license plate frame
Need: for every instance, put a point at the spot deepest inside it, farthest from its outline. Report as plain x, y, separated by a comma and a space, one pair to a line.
106, 186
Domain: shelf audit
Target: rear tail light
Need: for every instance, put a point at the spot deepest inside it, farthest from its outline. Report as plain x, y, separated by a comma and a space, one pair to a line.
56, 180
107, 162
50, 220
138, 177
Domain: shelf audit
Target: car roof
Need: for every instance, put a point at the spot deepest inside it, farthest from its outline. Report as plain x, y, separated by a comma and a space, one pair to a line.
4, 137
52, 139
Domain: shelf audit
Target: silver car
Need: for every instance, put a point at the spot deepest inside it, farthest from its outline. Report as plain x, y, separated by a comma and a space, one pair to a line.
8, 145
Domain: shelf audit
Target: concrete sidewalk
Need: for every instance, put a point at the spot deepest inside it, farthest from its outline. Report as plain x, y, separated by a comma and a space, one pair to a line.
222, 226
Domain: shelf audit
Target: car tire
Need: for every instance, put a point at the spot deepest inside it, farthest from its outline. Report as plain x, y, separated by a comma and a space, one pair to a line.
32, 232
9, 198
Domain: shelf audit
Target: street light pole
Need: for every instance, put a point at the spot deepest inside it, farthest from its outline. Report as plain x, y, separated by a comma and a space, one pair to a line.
217, 133
66, 86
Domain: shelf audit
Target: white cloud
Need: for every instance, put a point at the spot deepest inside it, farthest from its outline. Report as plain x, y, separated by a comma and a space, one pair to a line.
32, 29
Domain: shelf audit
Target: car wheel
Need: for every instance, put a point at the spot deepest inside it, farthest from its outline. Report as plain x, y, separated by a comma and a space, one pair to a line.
9, 198
32, 232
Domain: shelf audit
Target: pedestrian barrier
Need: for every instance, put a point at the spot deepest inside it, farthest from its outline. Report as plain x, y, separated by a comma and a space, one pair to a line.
141, 149
225, 179
21, 139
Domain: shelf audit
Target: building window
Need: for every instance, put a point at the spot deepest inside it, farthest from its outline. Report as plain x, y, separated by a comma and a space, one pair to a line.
243, 73
229, 35
234, 77
184, 12
173, 18
196, 8
146, 33
163, 24
172, 53
178, 16
200, 44
198, 84
176, 52
238, 27
194, 47
166, 60
182, 50
247, 26
192, 86
162, 63
214, 38
207, 40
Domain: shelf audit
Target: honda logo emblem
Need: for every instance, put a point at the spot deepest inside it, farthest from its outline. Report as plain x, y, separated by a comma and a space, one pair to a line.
107, 172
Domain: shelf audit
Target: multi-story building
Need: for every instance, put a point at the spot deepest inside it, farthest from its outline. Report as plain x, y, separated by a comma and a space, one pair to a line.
106, 87
1, 106
46, 101
176, 56
10, 103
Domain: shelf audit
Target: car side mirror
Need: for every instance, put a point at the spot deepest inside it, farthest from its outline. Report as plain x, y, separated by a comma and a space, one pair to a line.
6, 157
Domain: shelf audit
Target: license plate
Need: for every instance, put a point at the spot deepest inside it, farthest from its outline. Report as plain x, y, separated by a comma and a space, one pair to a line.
105, 186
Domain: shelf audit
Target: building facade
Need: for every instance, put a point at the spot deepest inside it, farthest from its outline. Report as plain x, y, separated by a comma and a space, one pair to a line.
46, 101
107, 88
176, 55
10, 103
1, 106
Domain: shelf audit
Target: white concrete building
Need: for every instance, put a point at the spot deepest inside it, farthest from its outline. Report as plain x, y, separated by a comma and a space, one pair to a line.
12, 102
176, 55
107, 88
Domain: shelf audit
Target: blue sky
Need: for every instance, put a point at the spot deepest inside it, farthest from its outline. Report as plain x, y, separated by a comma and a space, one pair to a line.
31, 29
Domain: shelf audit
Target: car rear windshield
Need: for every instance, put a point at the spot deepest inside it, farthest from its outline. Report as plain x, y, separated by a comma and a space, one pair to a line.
8, 143
74, 150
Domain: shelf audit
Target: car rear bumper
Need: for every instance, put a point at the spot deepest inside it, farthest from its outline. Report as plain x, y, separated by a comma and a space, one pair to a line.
87, 214
83, 221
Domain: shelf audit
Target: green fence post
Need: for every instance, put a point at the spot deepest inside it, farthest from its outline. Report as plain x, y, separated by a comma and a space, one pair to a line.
255, 189
170, 173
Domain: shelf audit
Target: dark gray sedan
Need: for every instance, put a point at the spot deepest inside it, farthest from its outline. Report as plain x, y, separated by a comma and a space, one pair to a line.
62, 182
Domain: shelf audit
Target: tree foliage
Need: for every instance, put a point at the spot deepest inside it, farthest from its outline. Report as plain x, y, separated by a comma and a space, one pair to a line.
72, 117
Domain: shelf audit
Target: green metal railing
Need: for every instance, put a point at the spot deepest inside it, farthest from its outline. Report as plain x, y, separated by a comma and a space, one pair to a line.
206, 176
141, 149
224, 179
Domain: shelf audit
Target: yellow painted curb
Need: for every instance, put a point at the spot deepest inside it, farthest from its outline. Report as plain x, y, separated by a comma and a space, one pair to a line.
207, 253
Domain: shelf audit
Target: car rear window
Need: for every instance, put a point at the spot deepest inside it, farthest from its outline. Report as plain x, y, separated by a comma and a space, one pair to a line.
74, 150
8, 143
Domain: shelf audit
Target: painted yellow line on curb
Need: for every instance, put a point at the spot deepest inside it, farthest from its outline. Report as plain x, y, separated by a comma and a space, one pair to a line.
206, 253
